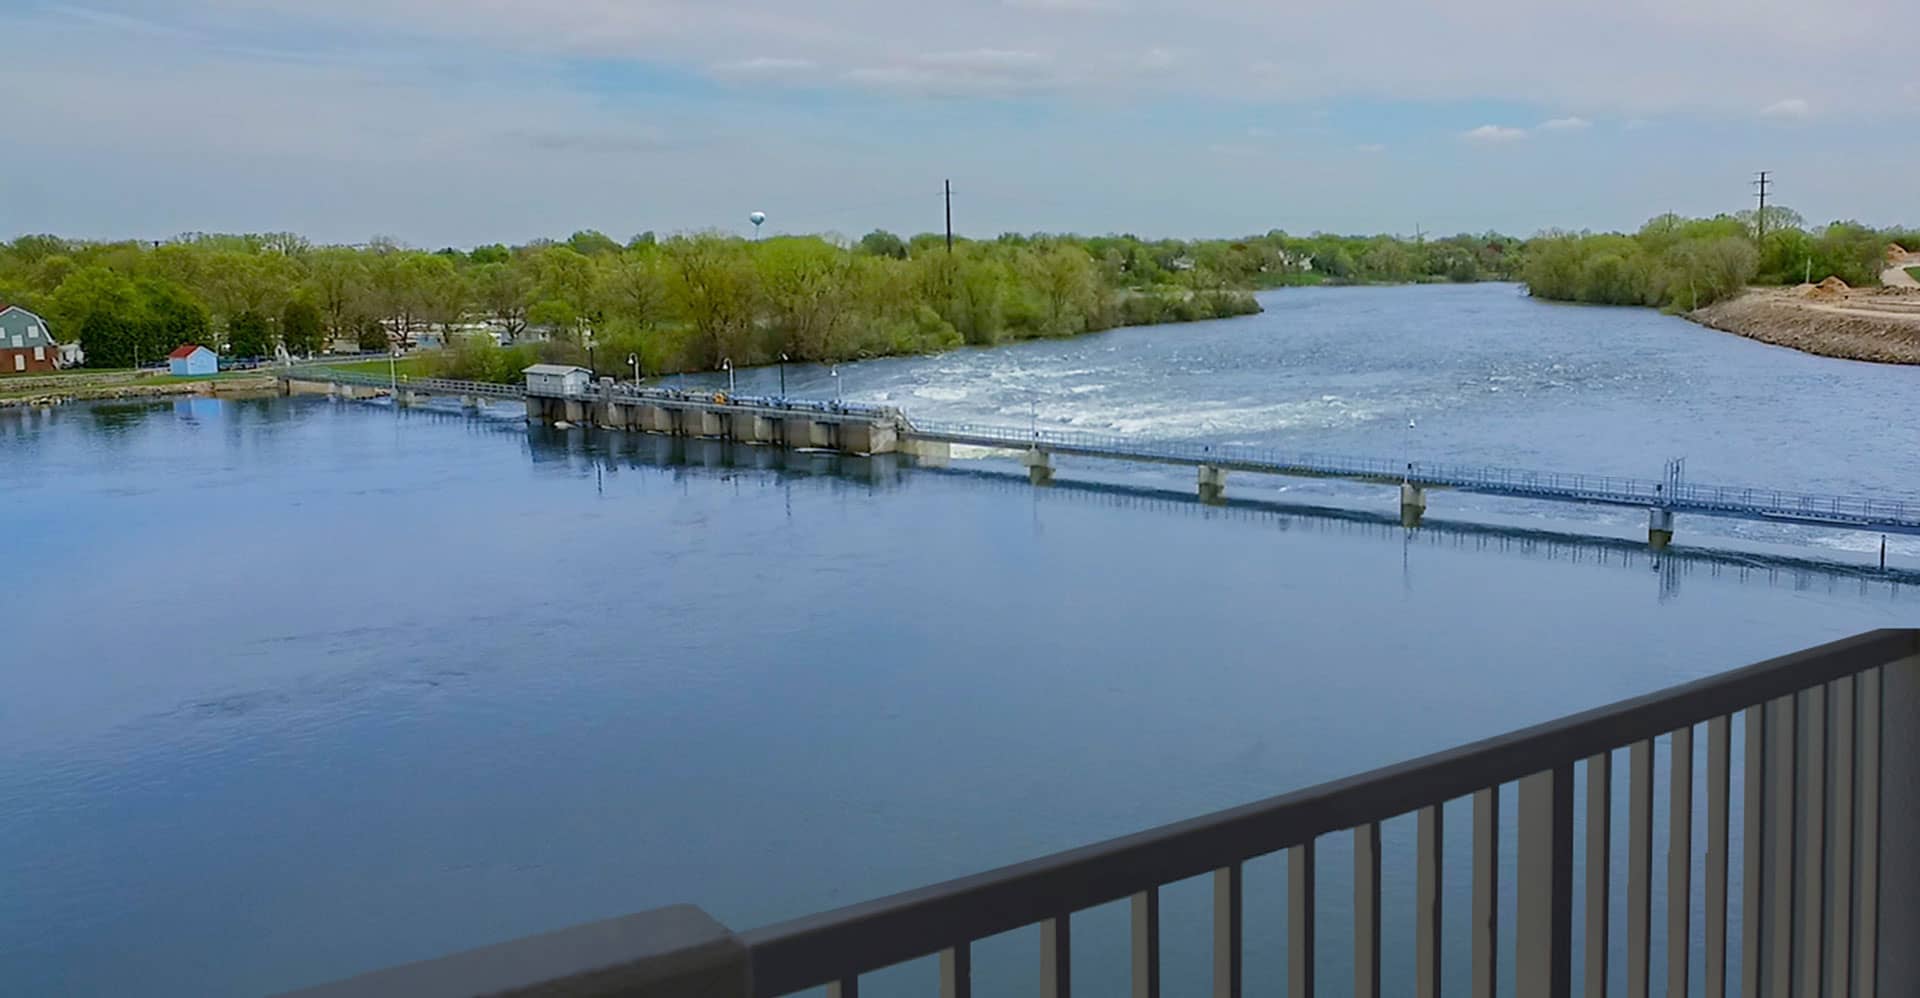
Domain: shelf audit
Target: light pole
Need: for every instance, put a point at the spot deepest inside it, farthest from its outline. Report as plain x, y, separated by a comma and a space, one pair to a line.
634, 359
393, 370
783, 375
1409, 451
726, 364
835, 372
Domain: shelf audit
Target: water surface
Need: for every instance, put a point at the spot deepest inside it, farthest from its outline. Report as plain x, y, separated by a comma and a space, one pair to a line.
296, 688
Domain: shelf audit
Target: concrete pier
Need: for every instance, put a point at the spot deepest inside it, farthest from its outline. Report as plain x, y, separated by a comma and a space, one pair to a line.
1413, 504
702, 423
801, 432
1213, 483
1659, 528
868, 438
471, 402
931, 453
752, 428
575, 411
615, 416
1039, 466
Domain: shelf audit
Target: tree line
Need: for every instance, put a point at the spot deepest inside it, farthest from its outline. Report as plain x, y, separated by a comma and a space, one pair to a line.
1684, 263
686, 302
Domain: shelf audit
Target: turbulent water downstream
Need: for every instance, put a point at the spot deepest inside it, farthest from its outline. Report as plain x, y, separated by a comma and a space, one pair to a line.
294, 688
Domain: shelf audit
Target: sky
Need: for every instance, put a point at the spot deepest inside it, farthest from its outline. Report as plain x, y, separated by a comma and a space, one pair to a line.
460, 122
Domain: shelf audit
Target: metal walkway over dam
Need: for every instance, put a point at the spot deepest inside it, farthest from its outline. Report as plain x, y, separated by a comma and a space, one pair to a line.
871, 429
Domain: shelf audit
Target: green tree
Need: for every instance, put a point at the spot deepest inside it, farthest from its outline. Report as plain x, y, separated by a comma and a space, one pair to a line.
371, 335
300, 329
248, 335
880, 242
716, 288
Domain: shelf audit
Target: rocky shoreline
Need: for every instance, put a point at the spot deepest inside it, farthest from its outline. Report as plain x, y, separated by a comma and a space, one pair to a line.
95, 392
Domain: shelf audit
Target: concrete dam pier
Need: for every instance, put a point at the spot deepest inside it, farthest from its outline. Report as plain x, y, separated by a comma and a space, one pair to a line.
849, 428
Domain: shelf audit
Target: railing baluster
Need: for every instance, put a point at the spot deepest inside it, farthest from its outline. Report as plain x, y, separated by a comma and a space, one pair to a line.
1811, 860
1719, 748
1837, 952
1639, 868
1300, 934
956, 971
1866, 853
1777, 943
1146, 943
1599, 879
1679, 860
1426, 942
1543, 926
1056, 957
1366, 911
1226, 931
1486, 892
846, 988
1753, 851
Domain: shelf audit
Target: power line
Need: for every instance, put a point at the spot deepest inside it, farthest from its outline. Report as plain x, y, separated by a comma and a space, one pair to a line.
1760, 183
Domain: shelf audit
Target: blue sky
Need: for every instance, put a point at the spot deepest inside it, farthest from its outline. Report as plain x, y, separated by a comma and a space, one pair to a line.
463, 121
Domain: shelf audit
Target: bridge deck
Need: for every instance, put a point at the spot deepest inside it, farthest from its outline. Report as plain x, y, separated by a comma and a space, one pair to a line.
1896, 515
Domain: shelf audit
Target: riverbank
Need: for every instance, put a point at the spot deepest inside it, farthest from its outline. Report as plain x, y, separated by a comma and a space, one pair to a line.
1881, 325
89, 387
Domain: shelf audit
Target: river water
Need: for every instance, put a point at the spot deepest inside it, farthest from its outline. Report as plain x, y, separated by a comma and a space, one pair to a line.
296, 688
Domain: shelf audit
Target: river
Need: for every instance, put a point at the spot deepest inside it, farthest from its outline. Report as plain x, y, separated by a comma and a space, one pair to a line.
297, 688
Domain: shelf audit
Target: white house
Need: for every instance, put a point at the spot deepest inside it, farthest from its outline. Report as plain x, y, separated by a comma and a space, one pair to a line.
557, 379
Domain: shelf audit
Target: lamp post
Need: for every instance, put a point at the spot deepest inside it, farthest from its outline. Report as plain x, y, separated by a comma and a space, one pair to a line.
835, 372
634, 359
393, 370
726, 364
783, 375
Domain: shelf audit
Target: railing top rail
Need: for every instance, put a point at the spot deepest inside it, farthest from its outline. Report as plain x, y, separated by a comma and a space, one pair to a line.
816, 949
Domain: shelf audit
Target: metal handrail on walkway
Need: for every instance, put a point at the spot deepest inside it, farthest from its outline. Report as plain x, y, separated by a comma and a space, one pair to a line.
1830, 795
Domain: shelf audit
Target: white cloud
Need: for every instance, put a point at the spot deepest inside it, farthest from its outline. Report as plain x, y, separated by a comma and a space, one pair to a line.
1494, 133
1371, 147
1791, 107
1565, 124
980, 72
765, 66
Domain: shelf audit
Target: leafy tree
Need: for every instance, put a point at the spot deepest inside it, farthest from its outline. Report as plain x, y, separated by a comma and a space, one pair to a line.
880, 242
592, 242
371, 335
249, 336
503, 290
300, 329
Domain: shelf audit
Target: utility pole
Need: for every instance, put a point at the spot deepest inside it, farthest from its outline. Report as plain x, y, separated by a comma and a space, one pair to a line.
1760, 183
948, 184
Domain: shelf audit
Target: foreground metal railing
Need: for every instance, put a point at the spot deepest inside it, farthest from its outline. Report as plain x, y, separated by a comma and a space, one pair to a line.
1831, 876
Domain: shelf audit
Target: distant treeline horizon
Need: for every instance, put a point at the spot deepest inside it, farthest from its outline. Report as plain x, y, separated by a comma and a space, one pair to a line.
693, 301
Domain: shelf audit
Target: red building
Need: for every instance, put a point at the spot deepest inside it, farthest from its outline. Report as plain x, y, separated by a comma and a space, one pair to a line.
25, 343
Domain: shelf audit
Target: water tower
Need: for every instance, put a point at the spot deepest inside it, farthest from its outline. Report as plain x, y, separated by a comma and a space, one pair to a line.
756, 218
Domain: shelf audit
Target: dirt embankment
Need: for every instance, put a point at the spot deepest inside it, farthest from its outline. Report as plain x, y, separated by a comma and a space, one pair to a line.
1830, 319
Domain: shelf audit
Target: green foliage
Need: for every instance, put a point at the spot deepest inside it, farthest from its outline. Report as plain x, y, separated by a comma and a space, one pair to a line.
880, 242
249, 336
371, 335
300, 328
1685, 263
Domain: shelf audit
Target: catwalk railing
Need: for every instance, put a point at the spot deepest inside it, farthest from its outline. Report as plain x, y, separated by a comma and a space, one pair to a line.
1830, 899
